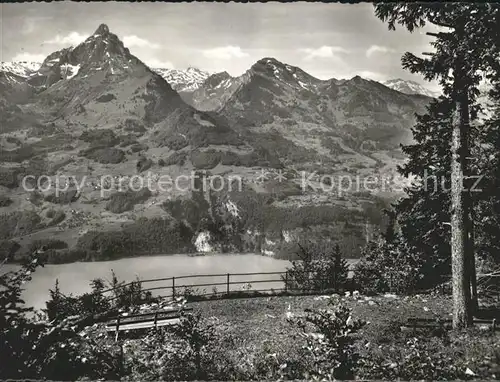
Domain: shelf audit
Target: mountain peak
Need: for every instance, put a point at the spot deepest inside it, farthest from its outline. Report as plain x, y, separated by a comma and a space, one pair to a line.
102, 30
269, 61
409, 87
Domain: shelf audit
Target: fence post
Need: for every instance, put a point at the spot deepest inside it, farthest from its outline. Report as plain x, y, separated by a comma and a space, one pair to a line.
173, 288
228, 284
286, 281
117, 328
493, 325
156, 320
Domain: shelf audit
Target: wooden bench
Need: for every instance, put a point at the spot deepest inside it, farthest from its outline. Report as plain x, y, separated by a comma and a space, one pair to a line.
145, 320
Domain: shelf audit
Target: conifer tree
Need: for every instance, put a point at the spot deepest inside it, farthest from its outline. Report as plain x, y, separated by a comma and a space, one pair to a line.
462, 56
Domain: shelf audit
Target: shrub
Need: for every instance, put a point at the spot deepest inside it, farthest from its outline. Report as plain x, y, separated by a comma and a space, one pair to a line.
100, 137
46, 244
17, 155
193, 350
138, 147
40, 349
57, 218
66, 256
134, 127
206, 159
36, 198
178, 158
9, 177
125, 201
143, 164
8, 249
320, 267
127, 140
5, 201
188, 210
64, 197
106, 98
18, 223
415, 360
330, 342
104, 155
389, 267
123, 296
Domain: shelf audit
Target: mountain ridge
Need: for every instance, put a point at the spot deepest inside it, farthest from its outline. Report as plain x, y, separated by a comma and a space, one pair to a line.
96, 111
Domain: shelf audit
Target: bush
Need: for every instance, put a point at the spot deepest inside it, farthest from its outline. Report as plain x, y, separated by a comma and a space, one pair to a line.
178, 158
138, 147
394, 267
320, 267
44, 350
18, 155
18, 223
57, 218
124, 296
8, 249
143, 164
100, 137
35, 198
330, 349
193, 350
104, 155
5, 201
429, 360
64, 197
188, 210
134, 126
205, 159
46, 244
67, 256
127, 140
9, 177
106, 98
125, 201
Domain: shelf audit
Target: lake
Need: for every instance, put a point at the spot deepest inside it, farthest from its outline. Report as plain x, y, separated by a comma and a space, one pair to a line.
74, 278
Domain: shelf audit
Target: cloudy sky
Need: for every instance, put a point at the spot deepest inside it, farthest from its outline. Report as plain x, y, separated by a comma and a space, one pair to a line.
326, 40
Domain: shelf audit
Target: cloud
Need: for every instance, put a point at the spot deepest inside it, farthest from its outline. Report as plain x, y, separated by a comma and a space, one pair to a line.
135, 41
372, 75
73, 38
378, 49
225, 53
155, 63
29, 57
323, 52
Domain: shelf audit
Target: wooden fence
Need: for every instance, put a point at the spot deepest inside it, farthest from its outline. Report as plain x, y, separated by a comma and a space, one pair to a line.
222, 284
226, 284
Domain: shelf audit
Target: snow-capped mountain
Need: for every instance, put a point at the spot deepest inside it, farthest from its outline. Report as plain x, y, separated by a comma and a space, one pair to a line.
183, 80
409, 87
214, 91
20, 68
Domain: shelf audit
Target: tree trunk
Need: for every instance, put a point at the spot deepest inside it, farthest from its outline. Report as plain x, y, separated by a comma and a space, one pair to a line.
459, 225
468, 202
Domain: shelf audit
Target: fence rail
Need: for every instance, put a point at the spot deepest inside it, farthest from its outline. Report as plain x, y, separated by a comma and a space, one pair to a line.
276, 282
175, 286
